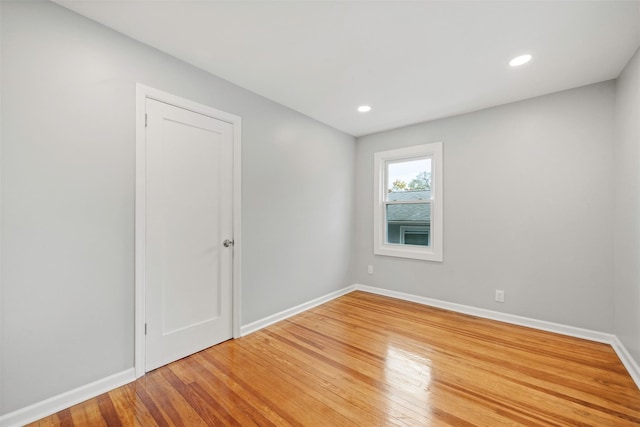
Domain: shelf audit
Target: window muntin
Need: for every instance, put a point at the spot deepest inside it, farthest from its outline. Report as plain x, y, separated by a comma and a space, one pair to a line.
408, 208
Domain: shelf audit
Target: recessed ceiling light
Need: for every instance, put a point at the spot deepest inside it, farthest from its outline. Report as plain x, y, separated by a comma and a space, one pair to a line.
364, 108
520, 60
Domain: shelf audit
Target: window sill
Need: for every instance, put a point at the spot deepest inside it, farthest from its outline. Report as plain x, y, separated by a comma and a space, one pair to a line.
410, 252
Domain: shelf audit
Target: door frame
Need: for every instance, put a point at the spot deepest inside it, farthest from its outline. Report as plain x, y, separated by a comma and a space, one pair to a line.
144, 92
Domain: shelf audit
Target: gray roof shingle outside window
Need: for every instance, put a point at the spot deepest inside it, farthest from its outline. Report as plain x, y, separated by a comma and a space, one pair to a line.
409, 212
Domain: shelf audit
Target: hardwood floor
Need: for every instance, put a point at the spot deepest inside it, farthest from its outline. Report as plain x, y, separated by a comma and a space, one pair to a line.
367, 360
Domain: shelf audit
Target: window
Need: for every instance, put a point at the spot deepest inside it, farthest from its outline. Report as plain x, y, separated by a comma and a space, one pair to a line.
408, 202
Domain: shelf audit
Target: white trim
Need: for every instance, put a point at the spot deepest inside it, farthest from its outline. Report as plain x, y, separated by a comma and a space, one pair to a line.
625, 357
142, 93
140, 232
494, 315
274, 318
627, 360
65, 400
237, 227
433, 252
52, 405
623, 354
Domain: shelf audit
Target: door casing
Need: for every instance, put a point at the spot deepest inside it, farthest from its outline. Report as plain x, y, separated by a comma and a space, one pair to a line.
142, 93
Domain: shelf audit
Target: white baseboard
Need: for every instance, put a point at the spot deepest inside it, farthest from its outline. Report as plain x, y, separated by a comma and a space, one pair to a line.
65, 400
494, 315
52, 405
603, 337
626, 359
270, 320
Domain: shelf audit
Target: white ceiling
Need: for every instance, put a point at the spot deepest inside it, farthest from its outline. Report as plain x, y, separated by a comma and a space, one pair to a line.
411, 61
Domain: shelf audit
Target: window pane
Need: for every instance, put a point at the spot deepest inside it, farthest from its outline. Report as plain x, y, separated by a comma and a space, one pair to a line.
409, 176
409, 224
416, 239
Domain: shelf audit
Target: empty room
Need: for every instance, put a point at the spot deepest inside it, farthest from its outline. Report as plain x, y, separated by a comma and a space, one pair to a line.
402, 213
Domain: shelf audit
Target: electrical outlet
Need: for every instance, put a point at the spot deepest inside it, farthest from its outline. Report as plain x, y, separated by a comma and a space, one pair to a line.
499, 295
370, 269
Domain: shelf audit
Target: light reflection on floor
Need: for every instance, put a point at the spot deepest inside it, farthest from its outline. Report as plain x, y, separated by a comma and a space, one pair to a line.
408, 376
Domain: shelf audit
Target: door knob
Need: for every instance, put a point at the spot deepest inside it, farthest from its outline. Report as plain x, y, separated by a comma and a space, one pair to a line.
228, 243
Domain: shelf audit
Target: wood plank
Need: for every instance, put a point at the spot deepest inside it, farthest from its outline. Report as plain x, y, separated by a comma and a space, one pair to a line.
366, 360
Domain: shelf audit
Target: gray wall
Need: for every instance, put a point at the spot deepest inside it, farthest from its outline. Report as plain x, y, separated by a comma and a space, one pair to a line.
528, 208
627, 208
68, 88
529, 204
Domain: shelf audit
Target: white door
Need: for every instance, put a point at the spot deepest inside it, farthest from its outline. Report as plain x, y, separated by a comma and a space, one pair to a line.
189, 208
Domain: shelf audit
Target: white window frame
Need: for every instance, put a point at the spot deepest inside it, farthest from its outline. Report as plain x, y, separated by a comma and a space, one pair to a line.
433, 252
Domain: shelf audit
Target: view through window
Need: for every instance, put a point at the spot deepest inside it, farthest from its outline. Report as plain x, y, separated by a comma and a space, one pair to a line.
408, 202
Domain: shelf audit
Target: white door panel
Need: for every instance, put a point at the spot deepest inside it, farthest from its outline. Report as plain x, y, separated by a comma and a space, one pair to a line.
189, 215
